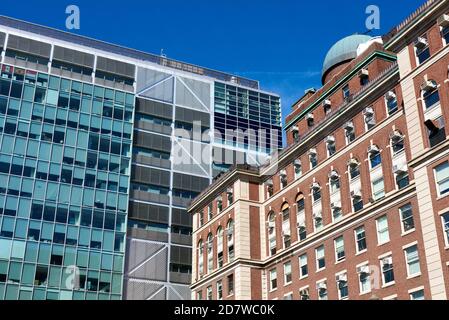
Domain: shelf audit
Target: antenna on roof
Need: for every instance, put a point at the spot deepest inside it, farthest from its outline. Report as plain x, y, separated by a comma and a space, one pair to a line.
163, 55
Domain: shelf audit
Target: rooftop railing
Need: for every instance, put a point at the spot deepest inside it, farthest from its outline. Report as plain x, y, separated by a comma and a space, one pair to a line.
127, 52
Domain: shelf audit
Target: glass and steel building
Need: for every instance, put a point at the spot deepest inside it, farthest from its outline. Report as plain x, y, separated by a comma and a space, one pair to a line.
101, 150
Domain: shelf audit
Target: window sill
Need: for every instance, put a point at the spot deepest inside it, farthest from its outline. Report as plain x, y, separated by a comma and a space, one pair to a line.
273, 290
384, 243
441, 197
340, 262
361, 252
288, 283
365, 293
320, 270
414, 276
408, 232
307, 276
389, 285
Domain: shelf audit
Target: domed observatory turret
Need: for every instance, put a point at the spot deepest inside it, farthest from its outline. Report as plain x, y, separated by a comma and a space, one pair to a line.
342, 53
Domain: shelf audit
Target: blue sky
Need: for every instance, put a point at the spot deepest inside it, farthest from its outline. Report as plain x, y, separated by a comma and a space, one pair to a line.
282, 43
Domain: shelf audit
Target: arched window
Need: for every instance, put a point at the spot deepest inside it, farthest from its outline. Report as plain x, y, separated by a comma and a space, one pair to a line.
331, 146
210, 252
220, 248
286, 230
370, 120
230, 240
272, 232
301, 217
430, 94
334, 181
397, 142
316, 192
354, 168
200, 257
374, 156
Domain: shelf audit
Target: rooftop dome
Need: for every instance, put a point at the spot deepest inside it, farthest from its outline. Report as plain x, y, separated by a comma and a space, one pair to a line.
342, 51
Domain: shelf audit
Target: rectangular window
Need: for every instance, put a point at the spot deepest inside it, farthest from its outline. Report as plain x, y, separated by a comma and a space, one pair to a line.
209, 293
364, 279
387, 271
360, 237
445, 34
417, 295
303, 267
445, 218
322, 290
378, 189
287, 273
219, 290
346, 92
273, 280
342, 286
383, 235
230, 284
442, 178
320, 258
407, 220
392, 105
339, 244
412, 259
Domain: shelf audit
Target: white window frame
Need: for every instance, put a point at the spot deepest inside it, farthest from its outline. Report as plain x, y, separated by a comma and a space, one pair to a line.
386, 231
303, 262
219, 290
273, 277
317, 258
324, 281
337, 260
381, 193
384, 283
357, 240
415, 291
445, 231
407, 261
361, 289
444, 180
286, 266
209, 293
338, 286
401, 217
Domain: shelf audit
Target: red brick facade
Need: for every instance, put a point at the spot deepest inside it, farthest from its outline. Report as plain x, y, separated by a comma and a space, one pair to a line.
383, 179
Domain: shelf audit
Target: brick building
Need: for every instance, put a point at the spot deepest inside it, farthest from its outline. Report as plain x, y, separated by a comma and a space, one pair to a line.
356, 206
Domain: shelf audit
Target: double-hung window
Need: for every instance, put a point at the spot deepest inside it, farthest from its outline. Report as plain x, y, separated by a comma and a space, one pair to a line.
339, 244
445, 219
320, 258
378, 189
442, 178
273, 280
412, 259
287, 273
387, 271
407, 220
303, 267
383, 235
360, 237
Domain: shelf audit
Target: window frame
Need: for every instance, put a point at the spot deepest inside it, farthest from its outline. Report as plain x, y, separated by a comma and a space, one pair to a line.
385, 230
416, 260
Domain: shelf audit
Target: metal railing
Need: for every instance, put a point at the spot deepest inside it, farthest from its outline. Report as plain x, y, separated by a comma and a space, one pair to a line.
127, 52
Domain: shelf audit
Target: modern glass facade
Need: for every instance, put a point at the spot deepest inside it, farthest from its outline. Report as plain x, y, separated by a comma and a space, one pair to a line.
99, 158
65, 161
256, 115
